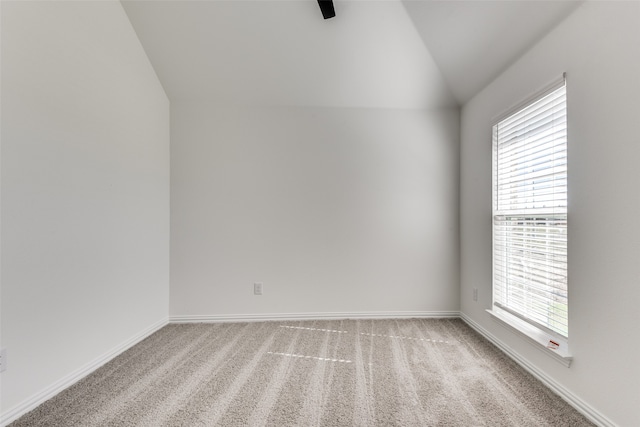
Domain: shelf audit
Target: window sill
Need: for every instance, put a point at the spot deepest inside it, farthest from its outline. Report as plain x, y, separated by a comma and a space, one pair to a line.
534, 335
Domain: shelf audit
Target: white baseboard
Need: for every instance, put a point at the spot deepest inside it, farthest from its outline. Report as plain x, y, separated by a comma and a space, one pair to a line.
311, 316
580, 405
67, 381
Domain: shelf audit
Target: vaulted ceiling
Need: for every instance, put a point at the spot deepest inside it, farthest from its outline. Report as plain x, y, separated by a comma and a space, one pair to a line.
374, 53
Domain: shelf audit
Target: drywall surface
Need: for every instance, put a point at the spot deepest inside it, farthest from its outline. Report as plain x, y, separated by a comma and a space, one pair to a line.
598, 47
333, 210
85, 190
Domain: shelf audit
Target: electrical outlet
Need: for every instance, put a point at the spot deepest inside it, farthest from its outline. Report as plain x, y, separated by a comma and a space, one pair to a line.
3, 360
475, 294
257, 288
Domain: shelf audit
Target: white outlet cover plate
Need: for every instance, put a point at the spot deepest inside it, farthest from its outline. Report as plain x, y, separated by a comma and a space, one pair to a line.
257, 288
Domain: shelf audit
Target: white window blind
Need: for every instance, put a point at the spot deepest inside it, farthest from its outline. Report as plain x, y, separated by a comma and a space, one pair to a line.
530, 213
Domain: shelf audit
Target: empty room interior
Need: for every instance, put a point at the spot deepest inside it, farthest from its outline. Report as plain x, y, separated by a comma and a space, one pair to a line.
311, 210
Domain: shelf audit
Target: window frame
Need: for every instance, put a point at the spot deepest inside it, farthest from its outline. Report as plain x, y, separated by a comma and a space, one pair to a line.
551, 341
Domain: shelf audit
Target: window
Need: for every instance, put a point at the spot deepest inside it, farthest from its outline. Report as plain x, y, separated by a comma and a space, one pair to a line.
530, 213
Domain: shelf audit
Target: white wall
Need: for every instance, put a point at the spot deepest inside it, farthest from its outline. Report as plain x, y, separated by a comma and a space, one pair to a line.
598, 47
85, 191
334, 210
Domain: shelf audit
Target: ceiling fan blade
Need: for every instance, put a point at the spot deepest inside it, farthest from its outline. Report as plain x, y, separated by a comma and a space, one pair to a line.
326, 6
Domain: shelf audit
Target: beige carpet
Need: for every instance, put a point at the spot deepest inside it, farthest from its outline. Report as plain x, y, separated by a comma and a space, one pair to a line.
313, 373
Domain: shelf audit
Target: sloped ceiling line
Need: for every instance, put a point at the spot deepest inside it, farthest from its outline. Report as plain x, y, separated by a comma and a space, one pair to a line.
374, 54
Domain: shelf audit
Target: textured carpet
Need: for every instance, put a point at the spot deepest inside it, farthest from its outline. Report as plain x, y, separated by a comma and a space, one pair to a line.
435, 372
